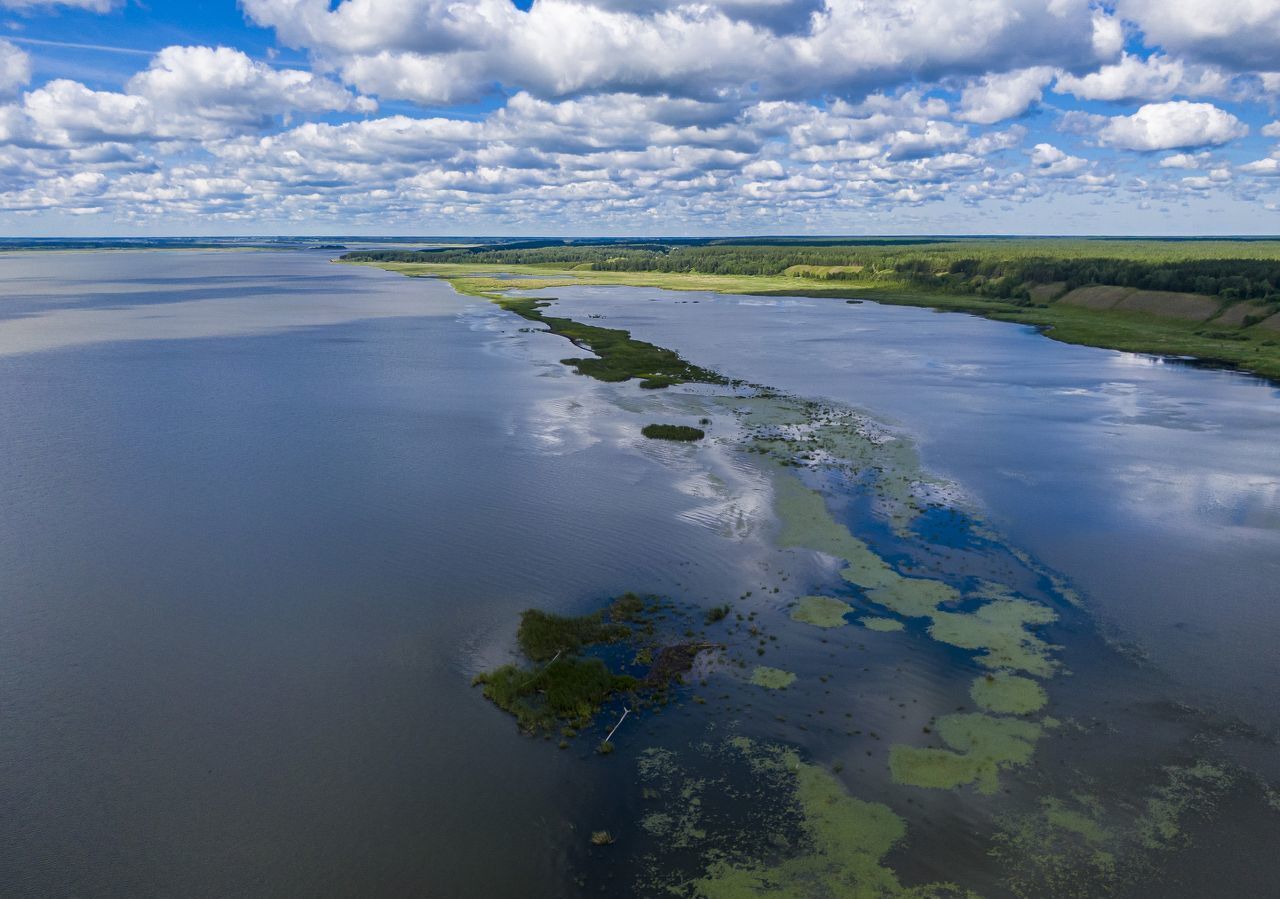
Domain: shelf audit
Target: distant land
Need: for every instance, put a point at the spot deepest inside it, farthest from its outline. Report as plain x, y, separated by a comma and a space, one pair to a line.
1212, 300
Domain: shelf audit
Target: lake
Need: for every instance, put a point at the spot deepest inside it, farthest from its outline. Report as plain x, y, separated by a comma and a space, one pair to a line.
267, 517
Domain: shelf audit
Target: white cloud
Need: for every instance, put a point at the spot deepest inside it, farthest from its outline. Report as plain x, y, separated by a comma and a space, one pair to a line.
1271, 130
66, 112
994, 98
1269, 166
1184, 161
1049, 160
641, 115
224, 85
15, 68
1173, 125
188, 93
1242, 34
435, 51
1154, 78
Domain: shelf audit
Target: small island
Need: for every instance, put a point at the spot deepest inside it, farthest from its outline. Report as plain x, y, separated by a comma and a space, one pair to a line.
672, 432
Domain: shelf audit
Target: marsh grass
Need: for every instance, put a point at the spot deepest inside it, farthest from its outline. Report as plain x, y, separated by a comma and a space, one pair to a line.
569, 689
543, 635
565, 687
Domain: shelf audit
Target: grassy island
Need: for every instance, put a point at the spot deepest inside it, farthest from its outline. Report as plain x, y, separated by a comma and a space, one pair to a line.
567, 685
673, 432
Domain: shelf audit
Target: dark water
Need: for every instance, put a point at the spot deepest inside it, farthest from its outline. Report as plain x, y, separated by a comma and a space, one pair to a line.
252, 556
265, 517
1153, 486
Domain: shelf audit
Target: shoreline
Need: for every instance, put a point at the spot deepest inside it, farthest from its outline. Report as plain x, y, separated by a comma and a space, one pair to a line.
1130, 332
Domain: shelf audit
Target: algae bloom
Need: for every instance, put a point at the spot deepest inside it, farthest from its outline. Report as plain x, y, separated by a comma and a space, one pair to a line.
821, 611
772, 678
980, 746
1008, 694
884, 625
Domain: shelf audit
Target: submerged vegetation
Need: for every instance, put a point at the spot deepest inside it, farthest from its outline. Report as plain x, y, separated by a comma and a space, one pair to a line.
672, 432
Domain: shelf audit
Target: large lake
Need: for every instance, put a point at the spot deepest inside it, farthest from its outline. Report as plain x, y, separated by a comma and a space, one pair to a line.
265, 517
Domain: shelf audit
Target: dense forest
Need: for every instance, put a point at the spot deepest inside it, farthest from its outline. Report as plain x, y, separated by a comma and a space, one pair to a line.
1007, 269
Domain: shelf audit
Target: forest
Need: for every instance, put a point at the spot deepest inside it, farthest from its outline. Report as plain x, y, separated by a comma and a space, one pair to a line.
992, 267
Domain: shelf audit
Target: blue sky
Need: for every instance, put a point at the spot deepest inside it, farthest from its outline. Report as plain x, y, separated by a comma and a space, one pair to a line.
639, 117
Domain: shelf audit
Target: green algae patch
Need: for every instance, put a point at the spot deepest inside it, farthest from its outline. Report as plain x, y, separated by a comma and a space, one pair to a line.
1008, 694
998, 631
913, 597
821, 611
844, 842
883, 625
1062, 816
980, 746
1108, 844
673, 432
1188, 788
807, 524
772, 678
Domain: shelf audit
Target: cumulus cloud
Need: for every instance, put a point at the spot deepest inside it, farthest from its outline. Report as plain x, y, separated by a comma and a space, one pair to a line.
640, 115
1157, 77
188, 93
1049, 160
1269, 167
1173, 125
435, 51
1241, 35
1184, 161
219, 84
994, 98
15, 68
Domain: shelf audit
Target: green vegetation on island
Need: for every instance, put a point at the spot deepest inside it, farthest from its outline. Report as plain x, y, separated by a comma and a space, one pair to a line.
566, 686
672, 432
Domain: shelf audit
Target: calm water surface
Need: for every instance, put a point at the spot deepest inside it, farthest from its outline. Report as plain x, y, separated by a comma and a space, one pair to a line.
265, 517
1153, 486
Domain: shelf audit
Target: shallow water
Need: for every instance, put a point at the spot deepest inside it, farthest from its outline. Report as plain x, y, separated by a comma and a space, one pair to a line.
1153, 486
267, 516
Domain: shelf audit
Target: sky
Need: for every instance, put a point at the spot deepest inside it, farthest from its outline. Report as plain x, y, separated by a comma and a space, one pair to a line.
639, 117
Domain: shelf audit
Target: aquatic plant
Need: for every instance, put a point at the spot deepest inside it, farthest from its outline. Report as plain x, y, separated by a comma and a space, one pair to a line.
1008, 694
980, 745
821, 611
543, 634
569, 689
845, 841
883, 625
772, 678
